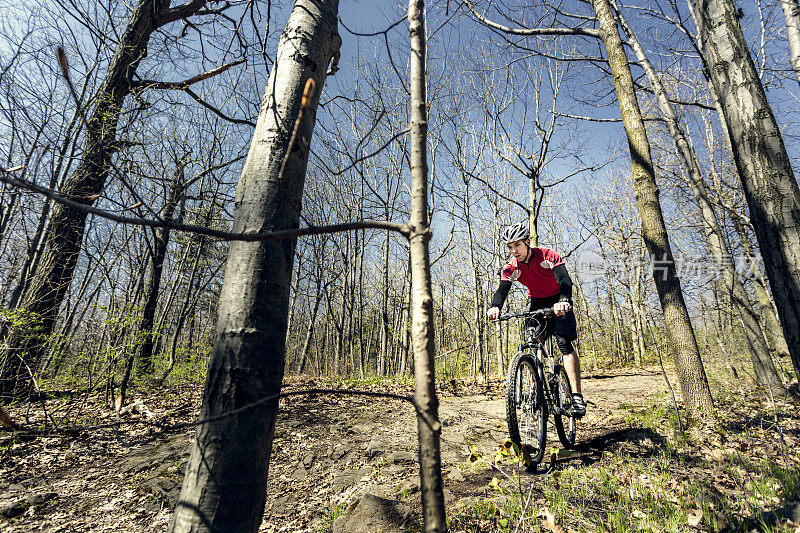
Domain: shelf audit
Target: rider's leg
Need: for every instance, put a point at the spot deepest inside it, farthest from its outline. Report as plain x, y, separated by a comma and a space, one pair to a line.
572, 365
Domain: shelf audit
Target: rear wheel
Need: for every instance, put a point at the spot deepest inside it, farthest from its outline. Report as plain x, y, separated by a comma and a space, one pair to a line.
565, 421
526, 411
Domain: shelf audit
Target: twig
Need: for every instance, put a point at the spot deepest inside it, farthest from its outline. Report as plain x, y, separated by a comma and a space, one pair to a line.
184, 425
62, 62
588, 32
671, 392
524, 509
308, 92
181, 85
5, 177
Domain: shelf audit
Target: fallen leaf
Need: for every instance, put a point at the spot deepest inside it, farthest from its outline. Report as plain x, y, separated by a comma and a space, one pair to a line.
694, 517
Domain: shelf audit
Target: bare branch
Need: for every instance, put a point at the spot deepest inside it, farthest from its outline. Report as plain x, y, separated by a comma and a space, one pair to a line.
593, 119
404, 229
181, 12
217, 111
372, 154
375, 34
181, 85
529, 32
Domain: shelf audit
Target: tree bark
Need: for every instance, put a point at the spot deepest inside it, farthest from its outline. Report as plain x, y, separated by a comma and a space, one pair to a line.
770, 187
791, 13
428, 426
533, 212
772, 326
477, 307
383, 350
311, 322
225, 482
689, 366
498, 264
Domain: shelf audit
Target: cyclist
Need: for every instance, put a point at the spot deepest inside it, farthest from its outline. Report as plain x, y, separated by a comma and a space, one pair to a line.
542, 272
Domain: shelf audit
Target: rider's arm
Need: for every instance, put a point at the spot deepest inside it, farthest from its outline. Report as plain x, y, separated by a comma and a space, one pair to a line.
564, 283
499, 296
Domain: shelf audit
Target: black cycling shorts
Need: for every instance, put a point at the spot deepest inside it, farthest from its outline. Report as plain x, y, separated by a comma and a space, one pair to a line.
565, 329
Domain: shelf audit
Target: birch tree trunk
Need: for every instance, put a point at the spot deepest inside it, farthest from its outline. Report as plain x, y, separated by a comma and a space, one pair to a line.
225, 484
770, 187
791, 13
762, 361
428, 425
689, 366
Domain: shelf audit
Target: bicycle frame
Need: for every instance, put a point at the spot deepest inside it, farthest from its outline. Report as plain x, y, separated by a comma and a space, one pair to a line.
546, 363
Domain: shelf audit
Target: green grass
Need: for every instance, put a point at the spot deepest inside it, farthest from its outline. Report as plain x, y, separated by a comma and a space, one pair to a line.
334, 513
677, 483
487, 514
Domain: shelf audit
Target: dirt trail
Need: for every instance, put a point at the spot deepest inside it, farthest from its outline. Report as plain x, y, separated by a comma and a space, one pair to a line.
328, 450
371, 446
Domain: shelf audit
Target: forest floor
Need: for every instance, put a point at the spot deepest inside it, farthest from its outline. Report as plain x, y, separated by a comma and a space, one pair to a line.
631, 470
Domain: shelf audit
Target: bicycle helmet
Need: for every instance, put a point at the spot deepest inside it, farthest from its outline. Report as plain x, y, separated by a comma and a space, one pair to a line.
515, 232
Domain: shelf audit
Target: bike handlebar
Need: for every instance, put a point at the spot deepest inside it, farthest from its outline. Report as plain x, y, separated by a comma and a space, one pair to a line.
545, 311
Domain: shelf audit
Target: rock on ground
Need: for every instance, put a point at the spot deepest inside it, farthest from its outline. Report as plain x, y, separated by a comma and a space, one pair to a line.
372, 514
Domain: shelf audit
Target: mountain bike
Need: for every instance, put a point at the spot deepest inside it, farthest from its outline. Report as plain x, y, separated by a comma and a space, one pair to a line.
537, 384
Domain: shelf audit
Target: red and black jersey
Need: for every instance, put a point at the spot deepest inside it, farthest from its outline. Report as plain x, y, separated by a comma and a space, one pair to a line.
544, 276
537, 274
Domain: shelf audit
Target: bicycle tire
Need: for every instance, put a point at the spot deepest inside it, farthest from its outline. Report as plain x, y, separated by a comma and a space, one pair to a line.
562, 398
525, 407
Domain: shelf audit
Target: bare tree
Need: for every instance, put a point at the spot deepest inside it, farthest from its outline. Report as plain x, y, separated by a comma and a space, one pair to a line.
428, 425
224, 487
762, 361
62, 242
691, 374
770, 187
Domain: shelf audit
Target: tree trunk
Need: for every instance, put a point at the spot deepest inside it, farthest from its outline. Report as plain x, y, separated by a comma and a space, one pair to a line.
310, 332
636, 333
772, 327
477, 314
763, 365
791, 12
533, 213
498, 265
383, 353
689, 366
769, 183
225, 484
621, 349
183, 312
428, 426
152, 284
62, 243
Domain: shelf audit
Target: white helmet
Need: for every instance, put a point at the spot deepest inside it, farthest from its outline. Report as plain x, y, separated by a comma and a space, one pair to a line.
515, 232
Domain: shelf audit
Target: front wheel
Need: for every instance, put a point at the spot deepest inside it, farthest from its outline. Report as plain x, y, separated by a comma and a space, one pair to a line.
565, 421
526, 411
